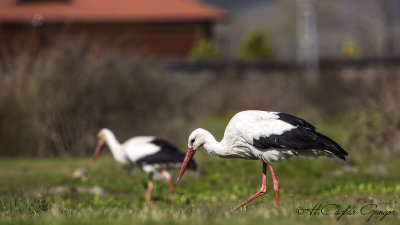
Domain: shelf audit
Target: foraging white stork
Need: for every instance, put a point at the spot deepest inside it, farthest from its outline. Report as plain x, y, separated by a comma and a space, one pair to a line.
151, 154
265, 136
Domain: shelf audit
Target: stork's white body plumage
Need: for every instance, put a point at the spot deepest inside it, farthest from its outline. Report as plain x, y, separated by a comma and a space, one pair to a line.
246, 127
139, 147
150, 154
265, 136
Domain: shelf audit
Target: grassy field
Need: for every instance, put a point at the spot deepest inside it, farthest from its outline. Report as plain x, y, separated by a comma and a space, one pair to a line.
42, 114
201, 197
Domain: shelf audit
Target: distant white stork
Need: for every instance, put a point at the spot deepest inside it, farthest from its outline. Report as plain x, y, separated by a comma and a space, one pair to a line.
265, 136
151, 154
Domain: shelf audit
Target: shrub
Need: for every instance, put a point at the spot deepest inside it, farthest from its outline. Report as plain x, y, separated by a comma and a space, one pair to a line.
205, 50
255, 46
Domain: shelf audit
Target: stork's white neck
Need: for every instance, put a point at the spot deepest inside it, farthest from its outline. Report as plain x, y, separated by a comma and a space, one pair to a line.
114, 145
213, 147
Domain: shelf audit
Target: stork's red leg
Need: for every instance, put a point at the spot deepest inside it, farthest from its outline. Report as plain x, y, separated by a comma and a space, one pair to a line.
276, 185
149, 187
262, 191
169, 180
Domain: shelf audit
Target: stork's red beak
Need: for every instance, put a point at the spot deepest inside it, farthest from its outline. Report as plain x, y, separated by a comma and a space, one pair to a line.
97, 151
189, 155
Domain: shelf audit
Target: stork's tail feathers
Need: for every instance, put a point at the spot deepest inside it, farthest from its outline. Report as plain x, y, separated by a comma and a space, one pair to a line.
331, 146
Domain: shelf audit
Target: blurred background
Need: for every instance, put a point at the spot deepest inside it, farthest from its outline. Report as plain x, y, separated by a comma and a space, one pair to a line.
71, 67
165, 67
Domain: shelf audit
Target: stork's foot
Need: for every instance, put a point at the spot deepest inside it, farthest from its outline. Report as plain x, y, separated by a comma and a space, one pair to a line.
262, 191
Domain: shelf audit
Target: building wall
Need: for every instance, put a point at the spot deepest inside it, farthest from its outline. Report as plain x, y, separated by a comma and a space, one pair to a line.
155, 39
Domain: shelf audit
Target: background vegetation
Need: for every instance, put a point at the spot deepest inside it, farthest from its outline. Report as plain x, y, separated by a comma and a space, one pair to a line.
255, 46
54, 104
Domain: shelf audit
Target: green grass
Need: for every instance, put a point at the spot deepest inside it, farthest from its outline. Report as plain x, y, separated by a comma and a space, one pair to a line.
201, 197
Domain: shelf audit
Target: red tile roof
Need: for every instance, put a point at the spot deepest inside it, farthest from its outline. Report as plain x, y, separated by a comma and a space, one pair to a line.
97, 11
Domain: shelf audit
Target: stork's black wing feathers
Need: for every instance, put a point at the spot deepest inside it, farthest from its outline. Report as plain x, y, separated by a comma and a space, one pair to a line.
304, 136
168, 154
295, 121
165, 145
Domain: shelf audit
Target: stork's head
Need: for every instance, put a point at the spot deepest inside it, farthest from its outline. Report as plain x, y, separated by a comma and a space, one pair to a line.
101, 136
196, 139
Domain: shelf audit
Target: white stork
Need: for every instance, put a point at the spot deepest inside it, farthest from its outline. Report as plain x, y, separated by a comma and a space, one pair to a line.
151, 154
265, 136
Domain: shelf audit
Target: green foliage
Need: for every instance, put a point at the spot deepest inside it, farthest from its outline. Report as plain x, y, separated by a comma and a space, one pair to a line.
205, 50
255, 46
368, 130
109, 202
13, 204
201, 198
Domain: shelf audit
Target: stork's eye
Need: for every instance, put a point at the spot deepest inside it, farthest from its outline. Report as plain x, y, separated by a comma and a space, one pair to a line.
192, 141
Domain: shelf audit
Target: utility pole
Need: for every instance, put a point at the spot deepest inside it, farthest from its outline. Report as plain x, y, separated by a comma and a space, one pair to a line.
307, 51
